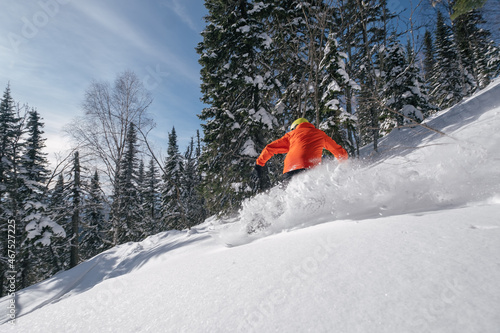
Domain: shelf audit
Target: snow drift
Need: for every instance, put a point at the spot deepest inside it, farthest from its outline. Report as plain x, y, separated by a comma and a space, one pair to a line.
406, 240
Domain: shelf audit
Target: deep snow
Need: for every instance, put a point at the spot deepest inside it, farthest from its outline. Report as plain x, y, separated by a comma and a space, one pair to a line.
407, 240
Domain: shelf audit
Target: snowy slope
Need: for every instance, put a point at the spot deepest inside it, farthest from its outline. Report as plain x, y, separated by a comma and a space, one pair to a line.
404, 241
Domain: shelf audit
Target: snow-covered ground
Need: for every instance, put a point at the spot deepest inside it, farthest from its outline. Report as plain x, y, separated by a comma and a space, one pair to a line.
404, 241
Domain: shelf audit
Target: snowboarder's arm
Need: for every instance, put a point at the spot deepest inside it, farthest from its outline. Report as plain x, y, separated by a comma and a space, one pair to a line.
334, 148
280, 146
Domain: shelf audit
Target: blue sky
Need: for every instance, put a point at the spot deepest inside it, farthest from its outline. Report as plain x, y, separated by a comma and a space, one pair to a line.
51, 50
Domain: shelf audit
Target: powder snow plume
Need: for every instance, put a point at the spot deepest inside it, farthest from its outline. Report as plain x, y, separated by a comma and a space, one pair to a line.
451, 162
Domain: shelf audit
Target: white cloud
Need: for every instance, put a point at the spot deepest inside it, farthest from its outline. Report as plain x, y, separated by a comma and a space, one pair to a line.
115, 23
96, 39
135, 32
181, 11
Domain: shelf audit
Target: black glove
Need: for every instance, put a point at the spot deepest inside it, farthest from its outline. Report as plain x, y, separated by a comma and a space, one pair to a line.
260, 170
262, 179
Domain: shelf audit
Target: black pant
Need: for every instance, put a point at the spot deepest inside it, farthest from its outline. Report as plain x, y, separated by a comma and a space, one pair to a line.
285, 179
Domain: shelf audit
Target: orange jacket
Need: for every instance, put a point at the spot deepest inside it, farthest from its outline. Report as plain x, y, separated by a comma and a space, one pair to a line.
304, 148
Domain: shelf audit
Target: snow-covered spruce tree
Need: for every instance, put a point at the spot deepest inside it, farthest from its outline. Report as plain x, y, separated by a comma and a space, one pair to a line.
173, 209
306, 61
126, 209
403, 94
141, 179
95, 233
40, 229
493, 56
367, 35
77, 197
287, 26
152, 199
192, 198
301, 48
65, 203
201, 211
140, 183
347, 27
10, 133
428, 60
13, 201
451, 81
420, 97
310, 69
58, 206
236, 84
429, 63
336, 121
473, 42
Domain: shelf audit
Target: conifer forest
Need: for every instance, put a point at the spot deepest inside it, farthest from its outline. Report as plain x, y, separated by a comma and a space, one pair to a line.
355, 69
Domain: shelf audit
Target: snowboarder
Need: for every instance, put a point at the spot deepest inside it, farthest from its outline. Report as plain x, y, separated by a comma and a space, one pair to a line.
303, 145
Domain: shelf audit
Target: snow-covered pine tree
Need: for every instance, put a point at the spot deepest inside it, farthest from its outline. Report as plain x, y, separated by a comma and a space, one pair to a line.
336, 121
493, 56
152, 199
140, 181
65, 202
14, 200
473, 42
302, 43
95, 233
419, 96
198, 183
236, 84
126, 209
451, 81
77, 197
10, 133
347, 19
368, 36
173, 209
307, 61
34, 216
59, 248
393, 89
286, 26
192, 198
286, 55
404, 98
429, 60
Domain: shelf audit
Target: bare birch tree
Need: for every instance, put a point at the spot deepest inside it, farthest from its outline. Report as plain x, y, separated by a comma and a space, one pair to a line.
102, 131
108, 112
